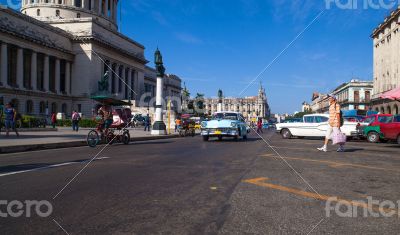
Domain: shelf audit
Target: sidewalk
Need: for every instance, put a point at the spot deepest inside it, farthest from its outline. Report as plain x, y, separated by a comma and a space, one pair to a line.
63, 138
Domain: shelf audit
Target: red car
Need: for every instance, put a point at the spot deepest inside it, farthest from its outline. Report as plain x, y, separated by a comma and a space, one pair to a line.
391, 131
382, 127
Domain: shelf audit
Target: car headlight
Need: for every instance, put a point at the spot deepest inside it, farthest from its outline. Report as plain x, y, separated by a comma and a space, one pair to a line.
233, 124
204, 124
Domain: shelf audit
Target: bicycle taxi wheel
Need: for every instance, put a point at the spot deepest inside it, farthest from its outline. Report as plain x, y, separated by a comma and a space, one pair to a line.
93, 138
126, 137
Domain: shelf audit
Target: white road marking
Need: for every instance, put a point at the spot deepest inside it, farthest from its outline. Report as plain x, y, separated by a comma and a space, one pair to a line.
48, 167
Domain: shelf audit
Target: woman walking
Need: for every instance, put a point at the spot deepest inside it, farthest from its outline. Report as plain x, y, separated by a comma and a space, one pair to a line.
10, 116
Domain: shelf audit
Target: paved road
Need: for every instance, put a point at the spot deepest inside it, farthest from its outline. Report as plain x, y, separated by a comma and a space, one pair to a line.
186, 186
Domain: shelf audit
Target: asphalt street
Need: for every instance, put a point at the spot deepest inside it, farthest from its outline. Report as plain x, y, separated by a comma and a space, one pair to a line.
187, 186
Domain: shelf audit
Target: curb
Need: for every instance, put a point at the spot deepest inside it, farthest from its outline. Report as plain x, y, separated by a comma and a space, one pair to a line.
72, 144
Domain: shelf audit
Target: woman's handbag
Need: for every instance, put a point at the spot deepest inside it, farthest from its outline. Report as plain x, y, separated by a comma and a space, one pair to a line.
338, 137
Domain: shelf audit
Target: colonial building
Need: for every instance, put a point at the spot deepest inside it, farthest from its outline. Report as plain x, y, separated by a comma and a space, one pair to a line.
53, 53
386, 42
353, 95
250, 107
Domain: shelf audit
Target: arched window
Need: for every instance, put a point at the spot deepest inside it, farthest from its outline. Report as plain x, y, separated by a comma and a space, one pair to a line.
382, 110
57, 13
38, 12
42, 107
54, 108
64, 108
389, 110
396, 109
15, 104
29, 106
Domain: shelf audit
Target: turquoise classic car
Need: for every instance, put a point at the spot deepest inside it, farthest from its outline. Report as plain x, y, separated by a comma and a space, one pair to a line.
225, 124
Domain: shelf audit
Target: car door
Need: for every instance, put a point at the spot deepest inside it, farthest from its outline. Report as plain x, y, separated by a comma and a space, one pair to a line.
321, 123
308, 128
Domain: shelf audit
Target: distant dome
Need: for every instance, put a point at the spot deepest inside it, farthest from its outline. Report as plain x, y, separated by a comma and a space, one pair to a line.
52, 10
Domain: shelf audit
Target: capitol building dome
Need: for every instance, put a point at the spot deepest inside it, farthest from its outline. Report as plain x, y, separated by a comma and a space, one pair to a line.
104, 11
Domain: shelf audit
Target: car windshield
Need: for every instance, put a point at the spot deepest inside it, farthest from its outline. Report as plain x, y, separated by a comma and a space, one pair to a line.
231, 116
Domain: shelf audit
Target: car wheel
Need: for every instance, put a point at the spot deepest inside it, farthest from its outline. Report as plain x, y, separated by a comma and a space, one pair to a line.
373, 137
205, 138
286, 134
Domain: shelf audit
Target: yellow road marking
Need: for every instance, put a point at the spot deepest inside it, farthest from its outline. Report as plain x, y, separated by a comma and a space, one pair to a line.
334, 164
261, 182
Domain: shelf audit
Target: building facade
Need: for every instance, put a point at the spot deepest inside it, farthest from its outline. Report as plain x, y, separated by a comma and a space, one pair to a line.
353, 95
386, 48
249, 107
53, 53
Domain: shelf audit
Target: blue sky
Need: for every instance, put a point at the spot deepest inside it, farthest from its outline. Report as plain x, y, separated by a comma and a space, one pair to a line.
214, 44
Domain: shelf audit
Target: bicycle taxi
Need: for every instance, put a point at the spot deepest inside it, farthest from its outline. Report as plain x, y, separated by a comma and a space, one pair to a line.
117, 131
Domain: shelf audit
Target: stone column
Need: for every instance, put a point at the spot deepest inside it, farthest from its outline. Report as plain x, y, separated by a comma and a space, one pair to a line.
159, 127
106, 9
57, 78
20, 68
112, 10
33, 71
99, 6
67, 77
130, 88
46, 73
116, 80
4, 63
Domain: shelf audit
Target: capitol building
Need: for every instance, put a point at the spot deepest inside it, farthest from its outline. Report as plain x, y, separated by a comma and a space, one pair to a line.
252, 107
54, 52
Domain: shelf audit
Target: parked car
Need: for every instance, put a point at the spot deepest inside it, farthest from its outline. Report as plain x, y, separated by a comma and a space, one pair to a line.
315, 125
224, 124
292, 120
381, 127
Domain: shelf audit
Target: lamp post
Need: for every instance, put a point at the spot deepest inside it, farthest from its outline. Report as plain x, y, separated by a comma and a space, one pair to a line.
159, 127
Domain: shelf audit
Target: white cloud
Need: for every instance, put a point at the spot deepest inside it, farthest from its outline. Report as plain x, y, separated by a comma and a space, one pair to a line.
188, 38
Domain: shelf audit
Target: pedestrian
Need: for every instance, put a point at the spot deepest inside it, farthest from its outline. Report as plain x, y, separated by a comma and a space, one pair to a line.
53, 119
75, 120
177, 123
259, 126
147, 122
107, 116
9, 120
334, 125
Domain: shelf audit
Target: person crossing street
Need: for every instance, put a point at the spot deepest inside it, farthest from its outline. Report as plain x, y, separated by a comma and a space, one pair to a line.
334, 123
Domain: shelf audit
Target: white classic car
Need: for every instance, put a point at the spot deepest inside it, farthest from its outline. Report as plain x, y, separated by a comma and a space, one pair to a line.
315, 125
224, 124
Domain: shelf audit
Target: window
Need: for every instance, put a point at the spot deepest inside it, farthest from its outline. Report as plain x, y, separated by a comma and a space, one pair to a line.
309, 119
42, 107
78, 3
29, 106
58, 13
385, 119
64, 108
15, 104
78, 15
54, 108
79, 108
38, 12
320, 119
367, 96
